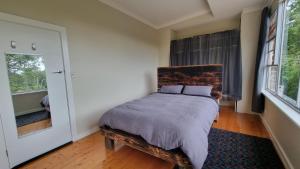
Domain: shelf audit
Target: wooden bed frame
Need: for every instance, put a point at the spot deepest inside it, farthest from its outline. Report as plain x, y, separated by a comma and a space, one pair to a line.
181, 75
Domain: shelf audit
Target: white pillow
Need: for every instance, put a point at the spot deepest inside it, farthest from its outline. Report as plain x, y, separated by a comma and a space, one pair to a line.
171, 89
197, 90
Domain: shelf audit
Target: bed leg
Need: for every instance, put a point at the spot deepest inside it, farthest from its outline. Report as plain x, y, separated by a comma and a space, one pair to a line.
109, 143
217, 118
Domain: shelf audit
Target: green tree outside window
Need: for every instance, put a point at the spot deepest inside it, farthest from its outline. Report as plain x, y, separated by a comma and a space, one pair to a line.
26, 73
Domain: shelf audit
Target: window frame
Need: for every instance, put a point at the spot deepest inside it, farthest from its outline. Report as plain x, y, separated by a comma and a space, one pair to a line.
279, 44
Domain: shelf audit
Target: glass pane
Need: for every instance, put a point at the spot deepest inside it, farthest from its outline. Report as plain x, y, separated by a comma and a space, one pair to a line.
272, 45
290, 62
272, 27
28, 85
271, 58
272, 78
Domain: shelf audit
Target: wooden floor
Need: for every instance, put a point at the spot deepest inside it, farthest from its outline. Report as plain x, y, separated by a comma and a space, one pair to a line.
241, 122
33, 127
90, 152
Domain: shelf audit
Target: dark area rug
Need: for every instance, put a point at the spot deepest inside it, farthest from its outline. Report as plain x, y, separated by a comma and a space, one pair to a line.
229, 150
31, 118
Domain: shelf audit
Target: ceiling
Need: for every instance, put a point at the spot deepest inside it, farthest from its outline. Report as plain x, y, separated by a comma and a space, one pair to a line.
170, 13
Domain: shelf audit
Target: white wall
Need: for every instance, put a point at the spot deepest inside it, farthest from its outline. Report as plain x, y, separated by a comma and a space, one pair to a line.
113, 57
285, 132
250, 25
165, 37
25, 103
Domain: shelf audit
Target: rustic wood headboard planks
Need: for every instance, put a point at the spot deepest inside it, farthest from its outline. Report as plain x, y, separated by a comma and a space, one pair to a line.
204, 75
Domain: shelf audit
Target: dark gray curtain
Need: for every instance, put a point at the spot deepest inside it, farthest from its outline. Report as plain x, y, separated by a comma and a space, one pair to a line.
258, 100
217, 48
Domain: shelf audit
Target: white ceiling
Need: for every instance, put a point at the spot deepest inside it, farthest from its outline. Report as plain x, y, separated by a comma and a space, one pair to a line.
166, 13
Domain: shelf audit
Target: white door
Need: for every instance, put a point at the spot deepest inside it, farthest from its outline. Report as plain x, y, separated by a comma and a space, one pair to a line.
33, 97
3, 158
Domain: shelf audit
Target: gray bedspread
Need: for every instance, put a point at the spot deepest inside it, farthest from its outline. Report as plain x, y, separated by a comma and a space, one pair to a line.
168, 121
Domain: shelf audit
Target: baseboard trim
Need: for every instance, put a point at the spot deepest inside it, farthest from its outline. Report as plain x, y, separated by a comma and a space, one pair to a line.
284, 158
86, 133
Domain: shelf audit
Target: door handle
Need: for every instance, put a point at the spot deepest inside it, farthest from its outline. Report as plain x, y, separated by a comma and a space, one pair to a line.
58, 72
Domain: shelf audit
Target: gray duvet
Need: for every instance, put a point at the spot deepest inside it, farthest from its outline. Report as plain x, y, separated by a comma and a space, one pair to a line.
168, 121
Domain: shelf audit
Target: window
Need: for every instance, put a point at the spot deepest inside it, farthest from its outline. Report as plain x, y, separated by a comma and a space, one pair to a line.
283, 59
26, 73
272, 63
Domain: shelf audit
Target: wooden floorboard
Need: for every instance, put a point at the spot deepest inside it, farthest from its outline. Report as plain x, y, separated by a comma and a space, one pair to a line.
241, 122
90, 152
33, 127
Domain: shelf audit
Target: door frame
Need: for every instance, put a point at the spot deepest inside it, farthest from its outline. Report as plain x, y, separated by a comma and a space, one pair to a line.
66, 61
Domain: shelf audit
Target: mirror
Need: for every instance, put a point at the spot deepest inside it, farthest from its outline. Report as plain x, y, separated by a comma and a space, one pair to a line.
28, 86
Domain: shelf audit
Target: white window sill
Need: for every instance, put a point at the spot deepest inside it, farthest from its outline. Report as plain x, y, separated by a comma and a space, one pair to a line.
286, 109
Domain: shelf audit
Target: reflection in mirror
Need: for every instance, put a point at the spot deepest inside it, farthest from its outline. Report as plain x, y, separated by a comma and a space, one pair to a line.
28, 86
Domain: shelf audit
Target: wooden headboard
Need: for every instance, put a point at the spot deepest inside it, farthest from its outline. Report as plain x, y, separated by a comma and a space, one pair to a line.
193, 75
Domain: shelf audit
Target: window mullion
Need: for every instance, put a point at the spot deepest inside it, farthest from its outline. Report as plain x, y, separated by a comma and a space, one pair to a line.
298, 97
282, 16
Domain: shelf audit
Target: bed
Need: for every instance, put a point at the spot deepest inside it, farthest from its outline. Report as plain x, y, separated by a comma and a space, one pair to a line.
173, 127
45, 103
